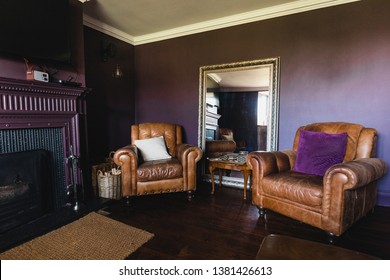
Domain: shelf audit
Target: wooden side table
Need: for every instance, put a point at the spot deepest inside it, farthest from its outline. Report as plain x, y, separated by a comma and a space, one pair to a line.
215, 163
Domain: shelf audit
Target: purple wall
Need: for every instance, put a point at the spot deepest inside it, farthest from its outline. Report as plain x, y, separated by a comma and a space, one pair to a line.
110, 105
335, 66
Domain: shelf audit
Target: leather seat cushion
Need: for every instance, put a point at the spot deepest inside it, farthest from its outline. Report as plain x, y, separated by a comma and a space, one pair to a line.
159, 170
298, 187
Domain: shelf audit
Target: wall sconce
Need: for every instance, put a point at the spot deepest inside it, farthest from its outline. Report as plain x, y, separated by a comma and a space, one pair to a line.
117, 72
108, 51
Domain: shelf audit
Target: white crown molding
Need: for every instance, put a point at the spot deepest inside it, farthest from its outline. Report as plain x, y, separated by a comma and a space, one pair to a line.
215, 77
107, 29
248, 17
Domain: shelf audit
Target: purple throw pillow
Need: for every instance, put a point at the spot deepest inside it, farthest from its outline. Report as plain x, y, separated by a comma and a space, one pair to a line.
317, 151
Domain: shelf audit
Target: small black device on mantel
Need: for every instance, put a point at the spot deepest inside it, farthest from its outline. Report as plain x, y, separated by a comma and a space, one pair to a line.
36, 29
65, 82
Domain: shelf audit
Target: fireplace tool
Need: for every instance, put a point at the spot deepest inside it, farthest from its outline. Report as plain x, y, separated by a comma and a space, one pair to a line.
73, 162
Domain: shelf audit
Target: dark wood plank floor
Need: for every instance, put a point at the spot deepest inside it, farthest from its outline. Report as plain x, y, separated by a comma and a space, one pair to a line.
224, 226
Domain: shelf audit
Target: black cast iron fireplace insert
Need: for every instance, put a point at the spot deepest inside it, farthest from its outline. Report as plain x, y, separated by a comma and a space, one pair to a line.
25, 187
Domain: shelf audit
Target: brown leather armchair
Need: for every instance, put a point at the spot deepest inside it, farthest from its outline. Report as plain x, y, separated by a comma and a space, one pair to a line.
175, 174
225, 145
217, 148
333, 202
227, 135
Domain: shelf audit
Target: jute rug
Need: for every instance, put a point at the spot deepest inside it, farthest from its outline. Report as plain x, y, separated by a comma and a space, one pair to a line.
92, 237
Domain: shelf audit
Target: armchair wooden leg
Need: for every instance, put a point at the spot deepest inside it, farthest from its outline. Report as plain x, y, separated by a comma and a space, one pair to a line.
190, 195
127, 200
262, 212
332, 238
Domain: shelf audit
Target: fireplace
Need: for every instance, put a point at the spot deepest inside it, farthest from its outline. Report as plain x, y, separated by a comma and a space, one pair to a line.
212, 125
45, 117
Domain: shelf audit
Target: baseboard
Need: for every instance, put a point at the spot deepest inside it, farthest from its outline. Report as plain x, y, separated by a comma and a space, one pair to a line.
383, 199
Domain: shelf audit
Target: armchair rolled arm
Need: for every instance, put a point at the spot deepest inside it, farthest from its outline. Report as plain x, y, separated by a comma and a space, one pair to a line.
265, 163
127, 159
356, 173
186, 151
344, 177
126, 153
189, 155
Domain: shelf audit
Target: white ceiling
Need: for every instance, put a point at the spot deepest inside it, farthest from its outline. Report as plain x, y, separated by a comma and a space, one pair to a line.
252, 78
144, 21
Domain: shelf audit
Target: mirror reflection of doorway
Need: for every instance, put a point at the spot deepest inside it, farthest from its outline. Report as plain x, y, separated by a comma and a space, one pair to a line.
240, 101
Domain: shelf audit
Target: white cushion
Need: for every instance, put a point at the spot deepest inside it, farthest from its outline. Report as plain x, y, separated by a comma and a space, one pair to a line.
152, 148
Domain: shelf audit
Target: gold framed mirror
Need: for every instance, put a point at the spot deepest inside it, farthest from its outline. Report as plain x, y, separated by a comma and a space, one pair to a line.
256, 78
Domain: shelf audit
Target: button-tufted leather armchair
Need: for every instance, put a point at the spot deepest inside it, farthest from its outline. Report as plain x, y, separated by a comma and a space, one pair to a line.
334, 202
158, 176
